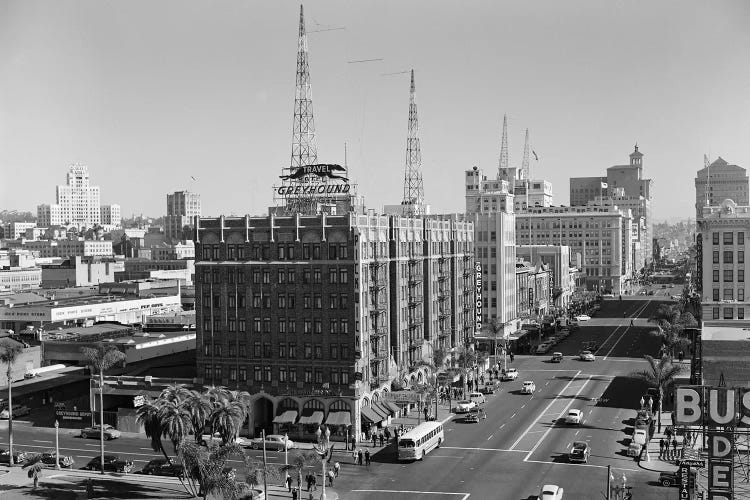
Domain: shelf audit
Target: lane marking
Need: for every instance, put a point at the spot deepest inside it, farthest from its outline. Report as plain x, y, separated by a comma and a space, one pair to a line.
463, 496
477, 449
579, 465
513, 415
545, 410
491, 436
570, 403
41, 441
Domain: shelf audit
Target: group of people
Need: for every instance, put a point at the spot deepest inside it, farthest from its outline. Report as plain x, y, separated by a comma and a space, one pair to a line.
312, 481
664, 448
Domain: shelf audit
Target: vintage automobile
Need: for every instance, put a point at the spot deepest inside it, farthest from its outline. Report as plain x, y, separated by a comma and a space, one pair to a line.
112, 463
579, 452
273, 442
94, 432
528, 387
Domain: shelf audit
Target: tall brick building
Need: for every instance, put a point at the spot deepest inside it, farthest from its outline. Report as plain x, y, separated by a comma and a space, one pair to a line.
317, 315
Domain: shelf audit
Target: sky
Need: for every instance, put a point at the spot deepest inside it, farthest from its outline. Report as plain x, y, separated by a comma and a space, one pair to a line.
148, 94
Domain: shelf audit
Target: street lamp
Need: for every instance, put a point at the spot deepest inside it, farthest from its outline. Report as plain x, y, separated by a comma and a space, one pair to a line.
321, 448
286, 449
57, 445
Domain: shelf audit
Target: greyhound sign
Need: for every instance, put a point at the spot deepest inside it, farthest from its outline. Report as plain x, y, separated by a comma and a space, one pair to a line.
321, 171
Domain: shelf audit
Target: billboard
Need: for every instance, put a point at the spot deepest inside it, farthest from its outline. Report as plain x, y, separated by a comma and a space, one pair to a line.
478, 296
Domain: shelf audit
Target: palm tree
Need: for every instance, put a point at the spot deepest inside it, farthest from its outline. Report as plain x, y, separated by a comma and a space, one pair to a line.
298, 463
226, 419
495, 331
199, 409
205, 466
175, 422
660, 375
9, 352
101, 358
35, 467
147, 415
175, 392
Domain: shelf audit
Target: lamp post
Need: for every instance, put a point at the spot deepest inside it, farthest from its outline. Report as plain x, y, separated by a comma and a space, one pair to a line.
321, 448
57, 445
286, 449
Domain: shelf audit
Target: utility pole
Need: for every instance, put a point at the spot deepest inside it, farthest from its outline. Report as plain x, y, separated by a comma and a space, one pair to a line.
609, 482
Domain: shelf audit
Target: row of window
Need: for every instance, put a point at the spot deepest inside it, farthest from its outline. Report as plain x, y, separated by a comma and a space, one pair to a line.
283, 276
729, 256
283, 301
283, 325
729, 275
285, 350
283, 374
729, 294
727, 237
265, 251
729, 312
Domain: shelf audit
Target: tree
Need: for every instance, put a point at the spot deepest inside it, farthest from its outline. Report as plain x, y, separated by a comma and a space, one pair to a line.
204, 467
99, 359
298, 463
9, 352
226, 419
495, 330
199, 409
660, 375
35, 466
147, 415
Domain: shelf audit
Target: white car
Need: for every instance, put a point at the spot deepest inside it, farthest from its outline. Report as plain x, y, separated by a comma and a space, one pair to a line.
551, 492
510, 374
273, 442
528, 387
477, 397
574, 417
640, 436
586, 356
582, 317
465, 406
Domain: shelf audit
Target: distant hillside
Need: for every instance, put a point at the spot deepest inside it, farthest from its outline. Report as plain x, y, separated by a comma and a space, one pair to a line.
16, 216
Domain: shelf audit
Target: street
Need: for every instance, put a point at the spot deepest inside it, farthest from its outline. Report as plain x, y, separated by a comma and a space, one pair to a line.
522, 445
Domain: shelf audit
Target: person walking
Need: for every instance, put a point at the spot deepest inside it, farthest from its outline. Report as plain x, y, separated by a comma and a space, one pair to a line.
374, 439
631, 321
331, 476
382, 439
294, 494
425, 413
315, 481
674, 446
387, 433
308, 481
367, 458
359, 456
661, 447
336, 469
512, 356
288, 481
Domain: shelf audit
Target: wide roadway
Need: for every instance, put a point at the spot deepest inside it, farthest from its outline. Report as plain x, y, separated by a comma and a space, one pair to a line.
518, 448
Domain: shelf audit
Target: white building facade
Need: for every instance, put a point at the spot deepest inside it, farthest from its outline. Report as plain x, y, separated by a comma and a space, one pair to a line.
77, 203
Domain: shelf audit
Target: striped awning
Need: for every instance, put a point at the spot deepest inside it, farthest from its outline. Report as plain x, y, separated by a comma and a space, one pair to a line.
338, 418
316, 418
288, 417
383, 409
395, 410
370, 415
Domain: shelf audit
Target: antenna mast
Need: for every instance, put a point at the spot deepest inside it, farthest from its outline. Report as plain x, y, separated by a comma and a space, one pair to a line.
525, 162
504, 148
413, 186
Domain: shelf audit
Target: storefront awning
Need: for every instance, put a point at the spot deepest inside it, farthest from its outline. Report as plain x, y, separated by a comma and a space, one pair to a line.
338, 418
517, 334
380, 410
370, 415
395, 410
381, 407
288, 417
315, 419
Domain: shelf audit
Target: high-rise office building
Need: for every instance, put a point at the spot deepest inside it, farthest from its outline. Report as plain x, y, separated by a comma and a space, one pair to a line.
77, 202
721, 181
182, 208
111, 216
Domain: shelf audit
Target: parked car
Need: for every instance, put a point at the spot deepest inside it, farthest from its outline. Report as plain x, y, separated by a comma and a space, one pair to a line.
112, 463
19, 457
18, 411
586, 356
550, 492
528, 387
95, 432
634, 449
542, 348
477, 397
465, 406
672, 479
574, 417
510, 374
640, 436
579, 452
161, 467
582, 317
557, 357
471, 418
490, 388
641, 423
273, 442
48, 458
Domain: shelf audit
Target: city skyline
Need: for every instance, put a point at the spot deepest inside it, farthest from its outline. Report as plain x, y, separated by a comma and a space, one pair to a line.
148, 103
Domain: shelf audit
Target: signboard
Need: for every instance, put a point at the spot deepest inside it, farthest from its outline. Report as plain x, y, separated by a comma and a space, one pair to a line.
73, 415
139, 400
321, 171
699, 261
478, 296
401, 396
683, 475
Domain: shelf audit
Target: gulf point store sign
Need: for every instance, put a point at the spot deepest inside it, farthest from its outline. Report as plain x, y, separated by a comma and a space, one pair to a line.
720, 410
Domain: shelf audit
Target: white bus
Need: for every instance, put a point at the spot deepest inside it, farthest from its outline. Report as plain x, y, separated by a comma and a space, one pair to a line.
419, 441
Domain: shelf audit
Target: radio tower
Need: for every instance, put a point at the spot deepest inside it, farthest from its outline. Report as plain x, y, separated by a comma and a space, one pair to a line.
502, 171
304, 151
525, 162
413, 187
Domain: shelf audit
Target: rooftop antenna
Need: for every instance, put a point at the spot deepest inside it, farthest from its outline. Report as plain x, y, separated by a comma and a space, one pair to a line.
525, 162
707, 165
413, 186
504, 147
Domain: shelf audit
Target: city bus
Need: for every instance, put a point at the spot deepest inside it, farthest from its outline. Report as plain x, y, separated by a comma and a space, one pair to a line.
419, 441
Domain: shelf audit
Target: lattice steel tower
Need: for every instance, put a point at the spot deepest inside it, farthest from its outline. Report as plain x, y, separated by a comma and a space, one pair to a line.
525, 161
304, 151
413, 186
502, 168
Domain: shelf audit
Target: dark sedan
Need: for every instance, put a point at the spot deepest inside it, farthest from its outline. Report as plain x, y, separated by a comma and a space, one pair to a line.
160, 467
19, 457
48, 458
112, 463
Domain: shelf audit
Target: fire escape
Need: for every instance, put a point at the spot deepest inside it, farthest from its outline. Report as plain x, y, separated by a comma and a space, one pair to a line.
415, 314
444, 302
378, 321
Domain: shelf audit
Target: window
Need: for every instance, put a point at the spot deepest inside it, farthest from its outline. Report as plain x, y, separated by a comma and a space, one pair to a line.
266, 325
290, 301
308, 351
333, 301
728, 257
318, 301
292, 326
332, 274
332, 251
716, 295
716, 275
293, 375
715, 312
728, 275
343, 276
306, 277
728, 239
741, 294
306, 251
344, 301
257, 302
292, 276
217, 350
334, 351
716, 256
740, 241
307, 302
307, 328
728, 294
243, 374
290, 252
233, 374
217, 372
308, 376
740, 313
282, 276
741, 275
343, 251
335, 377
316, 251
740, 257
318, 376
256, 374
243, 350
267, 350
282, 252
316, 275
282, 325
715, 237
728, 311
292, 350
318, 325
282, 302
256, 349
344, 378
207, 371
267, 373
318, 351
256, 324
283, 374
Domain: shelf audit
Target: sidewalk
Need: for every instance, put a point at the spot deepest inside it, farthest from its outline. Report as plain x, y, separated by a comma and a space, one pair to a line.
658, 462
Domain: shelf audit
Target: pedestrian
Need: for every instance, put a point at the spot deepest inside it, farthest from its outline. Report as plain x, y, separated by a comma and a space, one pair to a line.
631, 322
382, 439
354, 442
367, 457
314, 481
294, 494
288, 481
387, 433
661, 447
308, 481
359, 456
425, 413
643, 402
512, 356
374, 439
681, 355
331, 475
674, 446
336, 469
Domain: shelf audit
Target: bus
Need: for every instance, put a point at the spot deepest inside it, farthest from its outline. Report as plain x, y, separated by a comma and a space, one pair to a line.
419, 441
